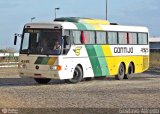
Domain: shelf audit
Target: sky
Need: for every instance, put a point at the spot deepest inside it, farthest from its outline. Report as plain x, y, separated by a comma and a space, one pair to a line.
15, 13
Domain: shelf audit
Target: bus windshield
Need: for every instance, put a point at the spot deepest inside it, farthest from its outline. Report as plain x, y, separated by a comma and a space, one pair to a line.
41, 42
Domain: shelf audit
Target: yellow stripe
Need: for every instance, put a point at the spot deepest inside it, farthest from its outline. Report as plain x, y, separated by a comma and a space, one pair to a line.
106, 50
97, 27
52, 60
95, 21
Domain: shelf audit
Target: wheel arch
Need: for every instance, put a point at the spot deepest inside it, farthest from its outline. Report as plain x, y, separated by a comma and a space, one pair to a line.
78, 76
81, 68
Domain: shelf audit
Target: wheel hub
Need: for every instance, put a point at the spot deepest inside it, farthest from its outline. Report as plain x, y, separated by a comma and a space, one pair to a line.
75, 74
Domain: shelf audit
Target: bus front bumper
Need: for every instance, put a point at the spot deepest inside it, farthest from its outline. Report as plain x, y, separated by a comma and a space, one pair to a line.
39, 74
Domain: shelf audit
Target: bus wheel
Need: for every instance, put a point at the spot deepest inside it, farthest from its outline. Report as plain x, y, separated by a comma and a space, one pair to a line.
121, 72
130, 72
42, 80
77, 76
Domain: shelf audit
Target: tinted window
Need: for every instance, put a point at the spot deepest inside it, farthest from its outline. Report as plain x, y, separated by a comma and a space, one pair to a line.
77, 37
112, 38
89, 37
142, 38
101, 38
132, 38
122, 38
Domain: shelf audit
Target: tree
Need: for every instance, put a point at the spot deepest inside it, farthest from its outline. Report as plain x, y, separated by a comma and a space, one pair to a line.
8, 50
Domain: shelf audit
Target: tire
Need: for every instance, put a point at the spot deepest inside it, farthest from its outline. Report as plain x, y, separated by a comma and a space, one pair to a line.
130, 72
77, 76
42, 80
121, 72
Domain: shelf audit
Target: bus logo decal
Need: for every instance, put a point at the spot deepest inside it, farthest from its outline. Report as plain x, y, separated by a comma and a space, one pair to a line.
144, 50
77, 51
123, 50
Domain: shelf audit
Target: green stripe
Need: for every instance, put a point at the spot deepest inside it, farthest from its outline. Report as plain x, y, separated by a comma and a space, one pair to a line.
81, 26
42, 60
102, 60
89, 27
69, 19
97, 60
94, 60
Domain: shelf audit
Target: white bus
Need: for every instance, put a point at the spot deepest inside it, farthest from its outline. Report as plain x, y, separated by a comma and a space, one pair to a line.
73, 49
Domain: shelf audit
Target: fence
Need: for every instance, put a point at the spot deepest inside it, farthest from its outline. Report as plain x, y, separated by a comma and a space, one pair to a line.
9, 60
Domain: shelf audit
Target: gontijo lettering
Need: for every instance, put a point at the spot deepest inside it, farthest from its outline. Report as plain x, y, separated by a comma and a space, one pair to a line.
123, 50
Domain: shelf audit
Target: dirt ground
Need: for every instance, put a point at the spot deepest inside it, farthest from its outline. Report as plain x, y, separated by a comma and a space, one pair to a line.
143, 91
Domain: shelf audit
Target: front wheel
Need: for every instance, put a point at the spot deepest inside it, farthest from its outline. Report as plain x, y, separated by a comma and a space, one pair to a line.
42, 80
121, 72
77, 76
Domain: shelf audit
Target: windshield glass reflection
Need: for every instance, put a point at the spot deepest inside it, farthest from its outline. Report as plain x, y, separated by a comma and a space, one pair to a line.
46, 42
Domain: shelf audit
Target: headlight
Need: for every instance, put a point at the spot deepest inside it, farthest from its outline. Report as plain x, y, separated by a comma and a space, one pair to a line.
57, 68
53, 67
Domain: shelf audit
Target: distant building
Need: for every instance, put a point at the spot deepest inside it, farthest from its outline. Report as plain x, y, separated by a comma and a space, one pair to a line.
9, 54
8, 57
154, 44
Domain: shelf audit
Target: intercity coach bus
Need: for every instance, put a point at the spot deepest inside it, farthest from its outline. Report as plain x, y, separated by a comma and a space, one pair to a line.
73, 49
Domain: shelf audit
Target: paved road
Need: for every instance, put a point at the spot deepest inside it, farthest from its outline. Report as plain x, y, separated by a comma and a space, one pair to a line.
143, 91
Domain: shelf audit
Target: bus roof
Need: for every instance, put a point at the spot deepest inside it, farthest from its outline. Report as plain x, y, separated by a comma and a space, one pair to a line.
83, 20
85, 24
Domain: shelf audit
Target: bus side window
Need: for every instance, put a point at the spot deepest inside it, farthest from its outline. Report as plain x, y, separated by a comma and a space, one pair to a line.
133, 38
112, 38
90, 37
76, 37
101, 38
143, 38
122, 38
67, 42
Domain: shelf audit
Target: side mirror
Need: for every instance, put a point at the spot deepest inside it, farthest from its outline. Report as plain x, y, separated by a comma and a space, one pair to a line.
15, 39
16, 36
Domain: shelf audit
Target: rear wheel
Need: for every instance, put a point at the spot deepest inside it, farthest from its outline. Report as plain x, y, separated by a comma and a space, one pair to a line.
130, 72
42, 80
121, 72
77, 76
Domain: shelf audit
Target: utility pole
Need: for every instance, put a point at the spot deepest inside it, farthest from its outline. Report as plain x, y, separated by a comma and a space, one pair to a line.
106, 10
33, 18
56, 11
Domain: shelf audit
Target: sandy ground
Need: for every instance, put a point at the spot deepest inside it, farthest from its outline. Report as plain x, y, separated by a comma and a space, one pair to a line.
143, 91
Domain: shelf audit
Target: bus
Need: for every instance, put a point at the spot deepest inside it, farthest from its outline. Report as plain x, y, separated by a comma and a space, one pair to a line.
87, 48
